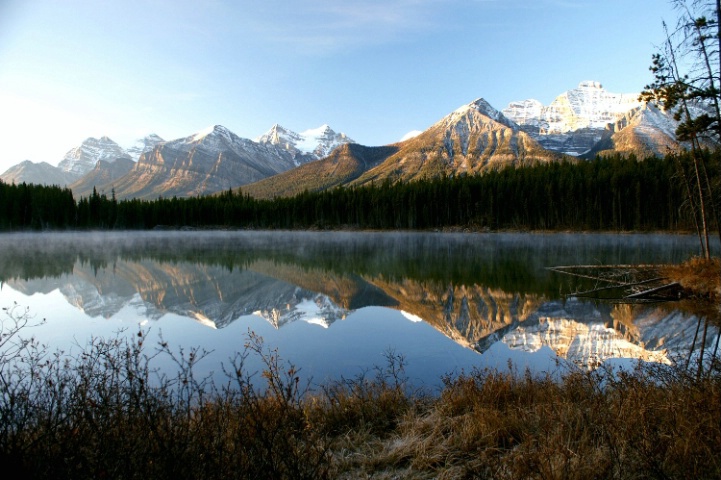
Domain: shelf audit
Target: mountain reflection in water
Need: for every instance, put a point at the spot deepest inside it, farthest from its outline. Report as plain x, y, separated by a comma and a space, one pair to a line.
476, 289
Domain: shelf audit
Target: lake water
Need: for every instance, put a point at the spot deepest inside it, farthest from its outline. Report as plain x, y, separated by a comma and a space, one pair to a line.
336, 304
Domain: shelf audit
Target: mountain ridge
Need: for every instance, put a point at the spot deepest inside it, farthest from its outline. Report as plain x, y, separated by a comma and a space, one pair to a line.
582, 122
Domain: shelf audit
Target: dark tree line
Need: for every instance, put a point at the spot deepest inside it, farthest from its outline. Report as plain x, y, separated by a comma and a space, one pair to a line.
617, 194
37, 207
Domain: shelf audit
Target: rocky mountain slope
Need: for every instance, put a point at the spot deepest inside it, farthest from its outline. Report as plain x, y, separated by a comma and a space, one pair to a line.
474, 138
80, 162
345, 164
200, 163
207, 162
77, 163
643, 131
214, 160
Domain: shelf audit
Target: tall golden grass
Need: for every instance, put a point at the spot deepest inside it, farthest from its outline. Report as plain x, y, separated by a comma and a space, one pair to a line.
698, 276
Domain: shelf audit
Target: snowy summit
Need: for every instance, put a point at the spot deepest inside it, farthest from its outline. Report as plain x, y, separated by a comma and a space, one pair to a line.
318, 142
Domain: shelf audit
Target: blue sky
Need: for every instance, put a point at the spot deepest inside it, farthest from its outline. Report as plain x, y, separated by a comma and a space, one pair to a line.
373, 69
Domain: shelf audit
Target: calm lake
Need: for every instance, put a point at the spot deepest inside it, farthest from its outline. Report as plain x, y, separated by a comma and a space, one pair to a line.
336, 304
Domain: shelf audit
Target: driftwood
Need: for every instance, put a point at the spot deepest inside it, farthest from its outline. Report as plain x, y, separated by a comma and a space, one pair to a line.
568, 271
626, 280
590, 293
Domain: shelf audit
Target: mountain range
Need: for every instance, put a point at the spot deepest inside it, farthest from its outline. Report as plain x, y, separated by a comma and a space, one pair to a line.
581, 123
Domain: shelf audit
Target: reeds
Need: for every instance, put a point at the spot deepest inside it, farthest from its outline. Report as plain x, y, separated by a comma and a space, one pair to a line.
107, 413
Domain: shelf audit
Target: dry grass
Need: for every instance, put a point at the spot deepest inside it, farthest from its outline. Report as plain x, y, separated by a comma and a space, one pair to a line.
700, 278
490, 425
104, 415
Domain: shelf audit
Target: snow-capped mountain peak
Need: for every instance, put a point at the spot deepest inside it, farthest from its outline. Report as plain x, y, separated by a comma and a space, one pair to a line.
215, 131
143, 145
313, 308
525, 112
82, 159
587, 106
482, 107
318, 142
278, 135
576, 120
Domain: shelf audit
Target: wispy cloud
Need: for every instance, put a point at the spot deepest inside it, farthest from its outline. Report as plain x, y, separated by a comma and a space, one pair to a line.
329, 26
402, 14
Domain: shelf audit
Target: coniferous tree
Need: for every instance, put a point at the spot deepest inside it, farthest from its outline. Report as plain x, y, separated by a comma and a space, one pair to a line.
687, 81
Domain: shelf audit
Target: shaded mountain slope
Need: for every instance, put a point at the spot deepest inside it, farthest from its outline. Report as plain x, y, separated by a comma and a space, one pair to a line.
343, 165
101, 177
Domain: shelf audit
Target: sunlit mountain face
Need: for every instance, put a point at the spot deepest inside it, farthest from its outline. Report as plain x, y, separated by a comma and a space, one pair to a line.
477, 290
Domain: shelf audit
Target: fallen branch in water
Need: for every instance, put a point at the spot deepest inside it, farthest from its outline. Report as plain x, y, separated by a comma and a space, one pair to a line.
695, 279
652, 291
589, 293
625, 280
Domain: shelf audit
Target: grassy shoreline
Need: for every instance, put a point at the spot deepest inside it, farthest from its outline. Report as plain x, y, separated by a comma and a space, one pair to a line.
104, 413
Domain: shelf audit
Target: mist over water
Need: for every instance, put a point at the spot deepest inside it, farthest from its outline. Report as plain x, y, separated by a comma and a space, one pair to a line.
335, 303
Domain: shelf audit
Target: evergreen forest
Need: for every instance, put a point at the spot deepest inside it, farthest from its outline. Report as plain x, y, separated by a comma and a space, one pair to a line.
606, 194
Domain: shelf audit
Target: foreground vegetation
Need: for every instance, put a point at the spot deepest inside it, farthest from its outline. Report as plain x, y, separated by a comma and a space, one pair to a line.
104, 412
607, 194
